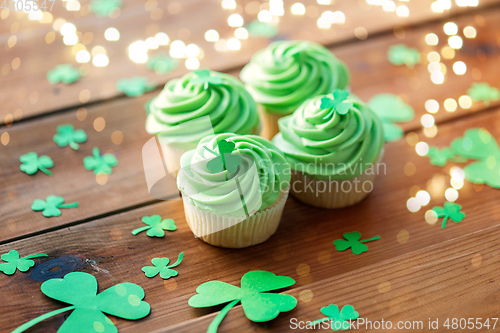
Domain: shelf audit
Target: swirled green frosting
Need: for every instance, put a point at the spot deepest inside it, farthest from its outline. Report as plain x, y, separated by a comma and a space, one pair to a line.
286, 73
325, 144
178, 112
262, 175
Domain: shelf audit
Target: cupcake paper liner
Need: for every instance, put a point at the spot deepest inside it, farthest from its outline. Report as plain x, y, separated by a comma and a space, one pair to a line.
235, 232
269, 122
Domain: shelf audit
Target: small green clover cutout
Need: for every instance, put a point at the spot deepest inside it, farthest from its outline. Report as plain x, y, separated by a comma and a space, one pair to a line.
155, 226
450, 210
258, 304
259, 29
161, 267
203, 77
66, 74
352, 240
51, 206
390, 109
100, 164
224, 160
66, 135
135, 86
400, 55
103, 8
161, 63
338, 103
440, 157
124, 300
31, 163
483, 92
13, 262
340, 319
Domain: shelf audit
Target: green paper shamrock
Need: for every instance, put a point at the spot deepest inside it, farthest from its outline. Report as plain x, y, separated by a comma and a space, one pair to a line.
257, 303
400, 54
100, 164
161, 63
12, 262
391, 108
340, 320
225, 160
155, 226
259, 29
451, 210
480, 145
337, 104
440, 157
104, 7
51, 206
160, 266
483, 92
31, 163
203, 77
66, 74
66, 135
352, 241
135, 86
124, 300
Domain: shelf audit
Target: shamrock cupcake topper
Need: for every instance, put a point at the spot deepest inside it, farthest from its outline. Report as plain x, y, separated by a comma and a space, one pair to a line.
224, 160
203, 77
338, 103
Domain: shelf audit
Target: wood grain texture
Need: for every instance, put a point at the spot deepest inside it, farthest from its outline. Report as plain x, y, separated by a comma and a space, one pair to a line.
106, 249
39, 96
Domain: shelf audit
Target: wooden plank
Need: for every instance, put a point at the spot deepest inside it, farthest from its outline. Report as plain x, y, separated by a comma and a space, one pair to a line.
106, 249
37, 96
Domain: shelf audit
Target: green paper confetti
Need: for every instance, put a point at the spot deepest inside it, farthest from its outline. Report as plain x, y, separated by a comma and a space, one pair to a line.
161, 63
155, 226
353, 241
161, 267
31, 163
66, 74
257, 303
52, 205
203, 77
124, 300
480, 145
66, 135
340, 320
100, 164
13, 262
258, 29
450, 210
103, 8
483, 92
391, 108
224, 160
400, 54
337, 104
135, 86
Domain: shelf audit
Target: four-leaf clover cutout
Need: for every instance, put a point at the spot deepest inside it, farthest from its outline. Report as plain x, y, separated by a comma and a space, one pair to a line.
483, 92
161, 266
155, 226
66, 74
450, 210
337, 104
340, 319
67, 135
352, 240
400, 54
104, 7
100, 164
224, 160
202, 76
135, 86
124, 300
31, 163
258, 304
51, 206
13, 262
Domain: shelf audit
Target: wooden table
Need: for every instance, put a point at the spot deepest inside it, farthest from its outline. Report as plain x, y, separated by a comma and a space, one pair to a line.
415, 272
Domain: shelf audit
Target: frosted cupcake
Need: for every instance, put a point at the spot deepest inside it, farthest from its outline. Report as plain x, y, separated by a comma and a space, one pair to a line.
333, 143
234, 188
196, 105
286, 73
